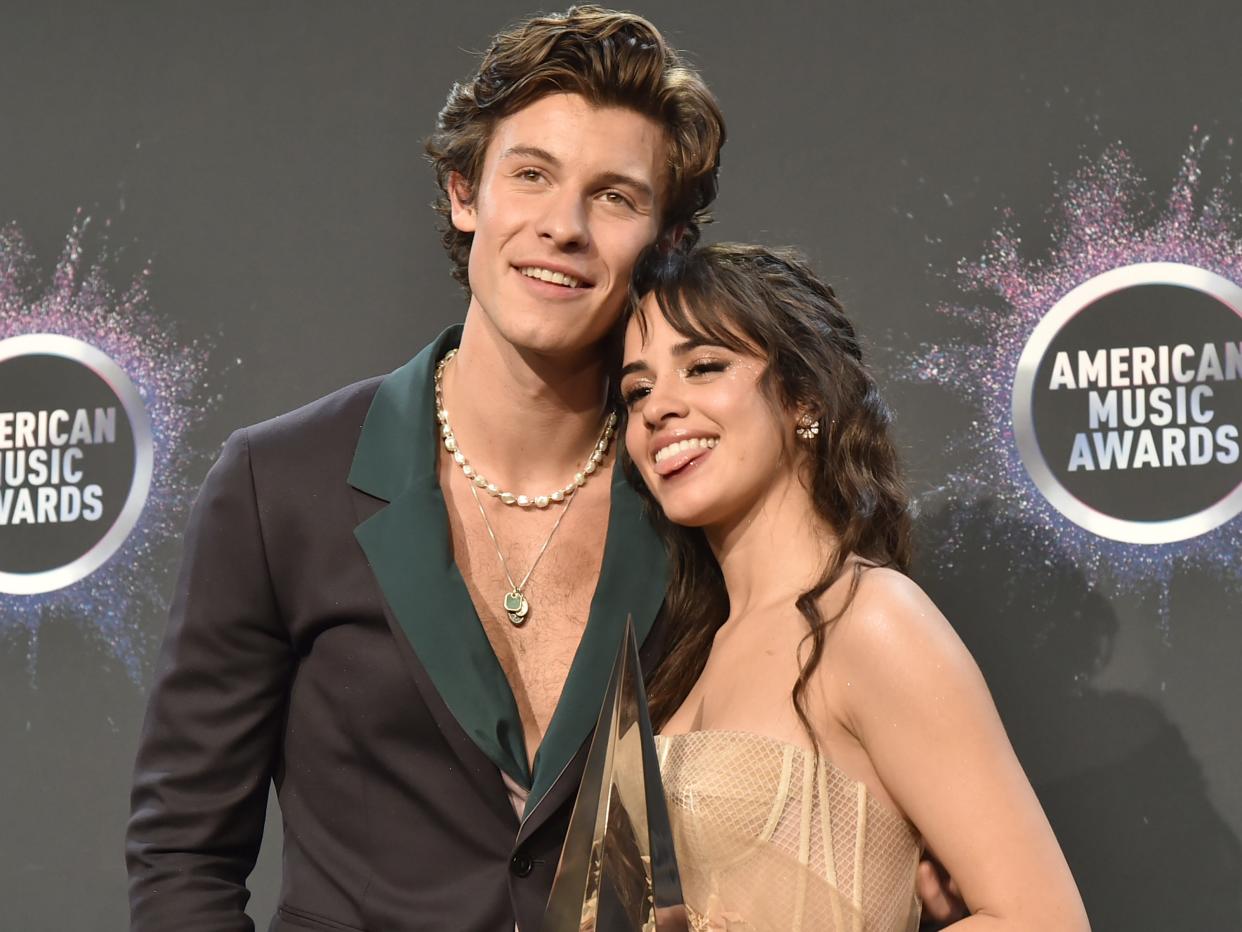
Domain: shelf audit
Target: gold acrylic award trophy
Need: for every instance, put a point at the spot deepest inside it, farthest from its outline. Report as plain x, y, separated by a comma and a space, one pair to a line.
618, 871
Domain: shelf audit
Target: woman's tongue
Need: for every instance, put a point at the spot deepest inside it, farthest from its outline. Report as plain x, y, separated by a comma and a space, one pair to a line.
680, 460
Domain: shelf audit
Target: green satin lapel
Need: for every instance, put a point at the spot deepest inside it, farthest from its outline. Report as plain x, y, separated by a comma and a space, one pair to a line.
631, 582
408, 546
409, 549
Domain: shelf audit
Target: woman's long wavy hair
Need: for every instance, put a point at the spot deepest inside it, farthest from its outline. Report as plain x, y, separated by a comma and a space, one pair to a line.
753, 299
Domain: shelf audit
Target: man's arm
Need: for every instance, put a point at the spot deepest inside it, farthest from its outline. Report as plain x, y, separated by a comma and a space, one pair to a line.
212, 733
942, 901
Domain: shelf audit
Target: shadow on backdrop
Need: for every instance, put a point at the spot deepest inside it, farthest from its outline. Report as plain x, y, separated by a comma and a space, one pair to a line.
68, 728
1125, 795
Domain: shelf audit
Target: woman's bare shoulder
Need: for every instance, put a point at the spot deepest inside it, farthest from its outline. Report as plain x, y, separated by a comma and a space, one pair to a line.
892, 629
884, 601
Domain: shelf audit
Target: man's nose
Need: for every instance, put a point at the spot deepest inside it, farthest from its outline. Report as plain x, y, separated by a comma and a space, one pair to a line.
564, 222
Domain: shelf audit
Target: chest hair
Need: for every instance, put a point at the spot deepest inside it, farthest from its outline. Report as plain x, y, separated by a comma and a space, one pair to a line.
535, 657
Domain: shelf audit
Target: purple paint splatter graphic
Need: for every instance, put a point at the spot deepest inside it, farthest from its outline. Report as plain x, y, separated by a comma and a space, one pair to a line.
80, 302
1102, 218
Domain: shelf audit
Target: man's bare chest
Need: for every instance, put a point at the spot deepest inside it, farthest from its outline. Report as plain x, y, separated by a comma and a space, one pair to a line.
535, 655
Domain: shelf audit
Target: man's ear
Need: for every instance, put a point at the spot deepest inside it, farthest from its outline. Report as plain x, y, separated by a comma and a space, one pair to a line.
461, 202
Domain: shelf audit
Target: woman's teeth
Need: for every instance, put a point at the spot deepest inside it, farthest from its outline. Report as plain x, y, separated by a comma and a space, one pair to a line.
703, 443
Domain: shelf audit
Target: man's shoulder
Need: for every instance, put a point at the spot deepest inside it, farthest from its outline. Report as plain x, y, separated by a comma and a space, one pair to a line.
326, 429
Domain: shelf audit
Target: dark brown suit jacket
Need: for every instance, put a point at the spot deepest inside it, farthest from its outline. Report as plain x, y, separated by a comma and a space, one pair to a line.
321, 639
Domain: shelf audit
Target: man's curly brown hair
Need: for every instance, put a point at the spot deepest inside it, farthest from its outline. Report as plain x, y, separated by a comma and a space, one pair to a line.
611, 59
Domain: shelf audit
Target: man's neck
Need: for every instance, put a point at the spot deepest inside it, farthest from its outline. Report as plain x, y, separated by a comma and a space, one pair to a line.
527, 421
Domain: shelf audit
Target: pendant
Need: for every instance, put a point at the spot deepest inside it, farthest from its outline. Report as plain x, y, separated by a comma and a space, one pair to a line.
516, 606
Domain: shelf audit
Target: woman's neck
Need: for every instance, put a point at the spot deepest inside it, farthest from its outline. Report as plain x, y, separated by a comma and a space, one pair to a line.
774, 552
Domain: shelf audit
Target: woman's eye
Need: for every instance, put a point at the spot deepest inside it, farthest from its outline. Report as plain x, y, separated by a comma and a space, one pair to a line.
634, 394
706, 367
530, 174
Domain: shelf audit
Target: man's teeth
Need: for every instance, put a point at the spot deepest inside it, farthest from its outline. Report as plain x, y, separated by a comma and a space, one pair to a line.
547, 275
697, 443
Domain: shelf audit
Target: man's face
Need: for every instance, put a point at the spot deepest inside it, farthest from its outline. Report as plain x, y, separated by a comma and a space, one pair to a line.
568, 197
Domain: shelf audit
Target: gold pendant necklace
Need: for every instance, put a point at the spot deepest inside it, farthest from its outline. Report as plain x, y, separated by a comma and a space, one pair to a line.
516, 605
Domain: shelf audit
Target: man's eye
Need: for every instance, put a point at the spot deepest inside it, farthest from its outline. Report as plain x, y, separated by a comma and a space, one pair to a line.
530, 174
616, 197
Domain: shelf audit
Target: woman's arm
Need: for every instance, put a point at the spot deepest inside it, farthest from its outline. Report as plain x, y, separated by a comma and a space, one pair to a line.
918, 704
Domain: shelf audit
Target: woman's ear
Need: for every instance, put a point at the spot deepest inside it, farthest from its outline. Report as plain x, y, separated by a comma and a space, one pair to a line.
806, 425
671, 241
461, 202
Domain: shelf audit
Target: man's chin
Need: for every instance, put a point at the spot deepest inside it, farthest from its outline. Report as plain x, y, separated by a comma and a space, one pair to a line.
554, 339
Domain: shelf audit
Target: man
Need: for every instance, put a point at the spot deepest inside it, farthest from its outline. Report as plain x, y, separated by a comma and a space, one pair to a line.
401, 602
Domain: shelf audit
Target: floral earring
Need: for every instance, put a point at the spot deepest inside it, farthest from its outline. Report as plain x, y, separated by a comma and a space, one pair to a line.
808, 427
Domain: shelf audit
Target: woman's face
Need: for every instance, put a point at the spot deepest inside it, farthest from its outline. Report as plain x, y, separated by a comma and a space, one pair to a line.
706, 438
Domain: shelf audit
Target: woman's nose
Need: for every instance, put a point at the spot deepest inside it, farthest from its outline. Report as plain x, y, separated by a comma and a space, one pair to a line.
664, 402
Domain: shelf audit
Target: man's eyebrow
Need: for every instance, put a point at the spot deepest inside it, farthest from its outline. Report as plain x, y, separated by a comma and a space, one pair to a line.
609, 179
620, 180
531, 152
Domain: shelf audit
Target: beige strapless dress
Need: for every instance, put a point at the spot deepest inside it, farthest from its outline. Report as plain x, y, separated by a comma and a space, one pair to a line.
772, 838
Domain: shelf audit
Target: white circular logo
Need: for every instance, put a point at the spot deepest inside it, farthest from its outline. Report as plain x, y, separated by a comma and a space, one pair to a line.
75, 461
1127, 402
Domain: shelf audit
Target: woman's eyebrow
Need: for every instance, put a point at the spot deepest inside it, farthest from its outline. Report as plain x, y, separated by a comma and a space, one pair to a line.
638, 365
688, 346
679, 349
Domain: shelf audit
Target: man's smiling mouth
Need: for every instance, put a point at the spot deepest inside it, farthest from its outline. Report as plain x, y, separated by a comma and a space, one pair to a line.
552, 277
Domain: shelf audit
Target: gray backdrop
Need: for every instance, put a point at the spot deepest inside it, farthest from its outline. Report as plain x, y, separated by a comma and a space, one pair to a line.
266, 158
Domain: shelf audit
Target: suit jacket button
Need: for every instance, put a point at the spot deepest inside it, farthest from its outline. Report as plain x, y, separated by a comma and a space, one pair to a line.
521, 865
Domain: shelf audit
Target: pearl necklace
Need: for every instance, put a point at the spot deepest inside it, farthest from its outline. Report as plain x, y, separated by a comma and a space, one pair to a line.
516, 605
509, 498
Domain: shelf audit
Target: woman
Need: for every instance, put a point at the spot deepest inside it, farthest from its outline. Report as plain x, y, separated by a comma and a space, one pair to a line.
820, 719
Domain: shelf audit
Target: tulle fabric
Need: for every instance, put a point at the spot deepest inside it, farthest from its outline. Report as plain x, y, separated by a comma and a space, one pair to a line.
773, 838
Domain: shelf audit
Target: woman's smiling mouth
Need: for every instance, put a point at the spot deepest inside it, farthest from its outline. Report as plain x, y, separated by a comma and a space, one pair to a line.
675, 456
